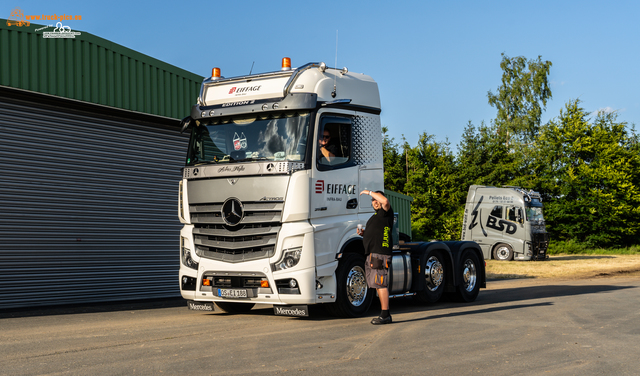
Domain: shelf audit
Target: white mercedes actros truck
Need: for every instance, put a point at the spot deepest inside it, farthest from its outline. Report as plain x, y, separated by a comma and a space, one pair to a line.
268, 218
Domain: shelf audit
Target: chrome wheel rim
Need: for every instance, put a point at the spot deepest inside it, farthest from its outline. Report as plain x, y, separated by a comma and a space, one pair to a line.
469, 275
356, 286
433, 273
502, 253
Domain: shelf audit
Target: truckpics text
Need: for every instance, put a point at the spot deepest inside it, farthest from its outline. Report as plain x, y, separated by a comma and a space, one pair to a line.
506, 222
270, 200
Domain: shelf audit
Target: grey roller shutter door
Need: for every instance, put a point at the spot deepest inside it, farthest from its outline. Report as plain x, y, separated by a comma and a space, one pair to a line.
88, 207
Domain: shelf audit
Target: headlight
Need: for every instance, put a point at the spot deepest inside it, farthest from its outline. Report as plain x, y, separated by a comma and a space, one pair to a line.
290, 258
185, 254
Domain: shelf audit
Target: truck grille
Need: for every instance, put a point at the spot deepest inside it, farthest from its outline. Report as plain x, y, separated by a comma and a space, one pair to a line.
254, 237
540, 245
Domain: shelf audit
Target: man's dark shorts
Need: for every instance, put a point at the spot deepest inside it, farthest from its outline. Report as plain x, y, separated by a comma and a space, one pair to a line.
377, 278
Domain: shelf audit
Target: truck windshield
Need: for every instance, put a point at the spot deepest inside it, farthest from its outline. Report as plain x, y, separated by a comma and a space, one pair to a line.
534, 214
277, 136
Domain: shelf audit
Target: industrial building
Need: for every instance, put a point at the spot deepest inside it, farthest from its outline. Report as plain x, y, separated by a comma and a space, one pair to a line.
90, 160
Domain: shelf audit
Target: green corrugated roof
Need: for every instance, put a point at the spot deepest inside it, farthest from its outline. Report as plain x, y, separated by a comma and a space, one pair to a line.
92, 69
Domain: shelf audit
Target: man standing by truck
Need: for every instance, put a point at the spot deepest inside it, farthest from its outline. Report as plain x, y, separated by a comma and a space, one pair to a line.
378, 245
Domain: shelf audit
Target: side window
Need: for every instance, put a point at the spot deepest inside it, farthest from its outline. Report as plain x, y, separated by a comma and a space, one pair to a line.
514, 214
497, 211
334, 143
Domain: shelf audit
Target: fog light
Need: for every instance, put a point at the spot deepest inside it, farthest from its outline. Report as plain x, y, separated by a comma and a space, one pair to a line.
293, 283
188, 283
211, 113
265, 107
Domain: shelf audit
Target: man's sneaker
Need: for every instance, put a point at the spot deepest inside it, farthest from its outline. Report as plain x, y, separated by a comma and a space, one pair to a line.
379, 320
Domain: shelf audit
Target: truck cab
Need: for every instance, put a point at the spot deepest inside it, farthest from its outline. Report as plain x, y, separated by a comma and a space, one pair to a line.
506, 222
269, 196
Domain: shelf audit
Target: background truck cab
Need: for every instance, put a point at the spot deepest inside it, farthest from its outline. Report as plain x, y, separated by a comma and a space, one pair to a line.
506, 222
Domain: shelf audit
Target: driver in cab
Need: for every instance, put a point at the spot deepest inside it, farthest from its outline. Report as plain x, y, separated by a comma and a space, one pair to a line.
326, 149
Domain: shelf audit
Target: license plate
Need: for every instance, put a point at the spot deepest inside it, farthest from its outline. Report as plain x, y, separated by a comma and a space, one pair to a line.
232, 293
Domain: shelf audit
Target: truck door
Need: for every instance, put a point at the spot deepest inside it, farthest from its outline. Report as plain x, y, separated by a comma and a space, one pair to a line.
334, 196
506, 228
514, 231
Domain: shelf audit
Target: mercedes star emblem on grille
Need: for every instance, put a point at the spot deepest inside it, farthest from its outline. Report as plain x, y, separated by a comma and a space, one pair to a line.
232, 211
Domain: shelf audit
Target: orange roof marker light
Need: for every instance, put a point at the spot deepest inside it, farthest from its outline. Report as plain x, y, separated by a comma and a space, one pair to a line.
286, 63
215, 73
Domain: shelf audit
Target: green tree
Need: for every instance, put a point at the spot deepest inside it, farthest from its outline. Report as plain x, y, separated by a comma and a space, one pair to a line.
484, 157
590, 175
395, 176
522, 97
436, 212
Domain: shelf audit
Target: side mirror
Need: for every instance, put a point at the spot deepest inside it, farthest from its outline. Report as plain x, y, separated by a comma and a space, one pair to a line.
185, 123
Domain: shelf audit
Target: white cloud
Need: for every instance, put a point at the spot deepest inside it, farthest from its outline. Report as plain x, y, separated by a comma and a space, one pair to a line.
607, 110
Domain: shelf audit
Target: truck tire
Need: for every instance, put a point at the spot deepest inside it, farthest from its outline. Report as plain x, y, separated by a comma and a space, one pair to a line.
469, 281
353, 297
503, 252
434, 275
235, 307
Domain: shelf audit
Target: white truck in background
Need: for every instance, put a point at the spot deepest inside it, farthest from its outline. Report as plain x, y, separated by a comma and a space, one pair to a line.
506, 222
268, 219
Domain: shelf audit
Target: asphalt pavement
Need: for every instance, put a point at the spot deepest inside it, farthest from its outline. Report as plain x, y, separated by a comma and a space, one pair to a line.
526, 327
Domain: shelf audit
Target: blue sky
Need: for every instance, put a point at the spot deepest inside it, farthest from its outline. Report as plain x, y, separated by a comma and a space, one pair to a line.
434, 61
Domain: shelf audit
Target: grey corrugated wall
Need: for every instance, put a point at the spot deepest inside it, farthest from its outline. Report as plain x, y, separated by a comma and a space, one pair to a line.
88, 206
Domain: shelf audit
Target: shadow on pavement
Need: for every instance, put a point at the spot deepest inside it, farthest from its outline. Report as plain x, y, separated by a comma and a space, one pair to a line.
318, 313
477, 311
540, 292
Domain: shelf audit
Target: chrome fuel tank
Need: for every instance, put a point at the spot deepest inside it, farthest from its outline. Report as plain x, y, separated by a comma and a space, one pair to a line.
400, 274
